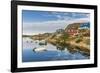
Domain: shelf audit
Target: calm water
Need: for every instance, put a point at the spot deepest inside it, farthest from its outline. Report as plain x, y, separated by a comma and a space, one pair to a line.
50, 53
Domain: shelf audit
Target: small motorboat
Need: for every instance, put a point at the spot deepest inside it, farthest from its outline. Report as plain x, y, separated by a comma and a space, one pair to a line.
42, 42
40, 49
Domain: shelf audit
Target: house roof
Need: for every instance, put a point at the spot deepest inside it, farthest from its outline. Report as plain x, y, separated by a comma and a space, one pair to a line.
85, 25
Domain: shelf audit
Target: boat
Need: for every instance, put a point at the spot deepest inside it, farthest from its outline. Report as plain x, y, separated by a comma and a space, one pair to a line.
42, 42
40, 49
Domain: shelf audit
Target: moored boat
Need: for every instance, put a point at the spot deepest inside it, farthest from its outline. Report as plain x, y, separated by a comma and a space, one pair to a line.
40, 49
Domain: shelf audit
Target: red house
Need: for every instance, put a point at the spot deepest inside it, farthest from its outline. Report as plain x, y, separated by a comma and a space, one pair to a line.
72, 29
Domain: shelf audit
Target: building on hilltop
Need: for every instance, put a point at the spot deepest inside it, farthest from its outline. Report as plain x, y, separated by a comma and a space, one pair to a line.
72, 29
75, 28
85, 26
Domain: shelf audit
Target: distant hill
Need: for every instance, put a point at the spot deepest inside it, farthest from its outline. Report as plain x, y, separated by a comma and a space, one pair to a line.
73, 26
27, 35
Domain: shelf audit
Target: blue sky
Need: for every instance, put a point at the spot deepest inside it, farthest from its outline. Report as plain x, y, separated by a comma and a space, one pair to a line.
37, 16
30, 16
35, 22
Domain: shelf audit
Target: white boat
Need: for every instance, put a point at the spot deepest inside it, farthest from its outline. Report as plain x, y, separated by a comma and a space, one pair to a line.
40, 49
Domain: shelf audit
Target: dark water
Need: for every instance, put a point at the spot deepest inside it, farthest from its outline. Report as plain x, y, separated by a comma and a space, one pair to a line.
51, 52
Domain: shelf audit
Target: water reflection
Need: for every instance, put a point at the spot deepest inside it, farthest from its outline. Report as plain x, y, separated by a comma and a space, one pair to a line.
36, 50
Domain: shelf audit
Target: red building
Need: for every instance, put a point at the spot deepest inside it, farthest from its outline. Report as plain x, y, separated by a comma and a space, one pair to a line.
72, 32
72, 29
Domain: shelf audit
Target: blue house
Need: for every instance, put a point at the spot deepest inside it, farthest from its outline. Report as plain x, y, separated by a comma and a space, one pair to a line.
85, 26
